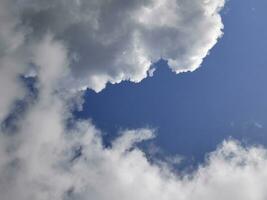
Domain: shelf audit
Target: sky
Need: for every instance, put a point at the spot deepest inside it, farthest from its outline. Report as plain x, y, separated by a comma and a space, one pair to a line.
224, 98
133, 100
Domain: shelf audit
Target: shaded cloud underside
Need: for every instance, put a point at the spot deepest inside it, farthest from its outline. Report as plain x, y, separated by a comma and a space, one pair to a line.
69, 45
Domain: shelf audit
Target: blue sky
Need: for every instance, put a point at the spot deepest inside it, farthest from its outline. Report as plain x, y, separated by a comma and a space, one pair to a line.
194, 112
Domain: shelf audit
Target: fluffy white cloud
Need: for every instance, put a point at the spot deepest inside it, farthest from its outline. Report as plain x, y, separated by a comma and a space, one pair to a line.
111, 41
48, 159
44, 160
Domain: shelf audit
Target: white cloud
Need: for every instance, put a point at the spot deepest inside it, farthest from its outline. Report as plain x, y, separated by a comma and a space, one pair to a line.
41, 163
112, 41
10, 58
45, 159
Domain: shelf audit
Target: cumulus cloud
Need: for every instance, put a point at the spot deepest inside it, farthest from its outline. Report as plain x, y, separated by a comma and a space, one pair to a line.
112, 41
46, 160
67, 45
53, 157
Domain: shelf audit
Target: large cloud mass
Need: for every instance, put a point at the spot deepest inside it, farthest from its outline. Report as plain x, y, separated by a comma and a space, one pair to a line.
111, 41
52, 49
45, 161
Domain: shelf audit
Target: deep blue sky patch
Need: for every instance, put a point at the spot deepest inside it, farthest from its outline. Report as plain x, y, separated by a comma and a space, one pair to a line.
193, 112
